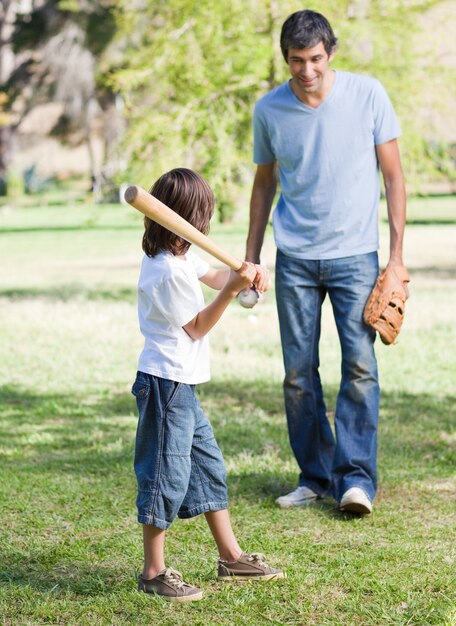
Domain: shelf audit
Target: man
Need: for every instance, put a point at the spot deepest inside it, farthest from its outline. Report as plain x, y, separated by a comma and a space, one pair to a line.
326, 133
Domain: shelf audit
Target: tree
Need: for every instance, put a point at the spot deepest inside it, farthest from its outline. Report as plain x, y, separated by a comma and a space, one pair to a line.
192, 71
6, 61
61, 45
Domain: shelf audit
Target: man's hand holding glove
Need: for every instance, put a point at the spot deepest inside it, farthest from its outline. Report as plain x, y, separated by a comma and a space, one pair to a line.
385, 306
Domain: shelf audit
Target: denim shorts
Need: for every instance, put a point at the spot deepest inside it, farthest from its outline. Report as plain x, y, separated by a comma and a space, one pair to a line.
178, 465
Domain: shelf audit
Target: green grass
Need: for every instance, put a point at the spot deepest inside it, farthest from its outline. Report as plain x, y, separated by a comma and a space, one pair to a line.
70, 546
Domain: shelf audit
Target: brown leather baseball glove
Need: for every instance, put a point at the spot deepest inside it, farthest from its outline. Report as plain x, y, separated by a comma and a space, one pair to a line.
385, 306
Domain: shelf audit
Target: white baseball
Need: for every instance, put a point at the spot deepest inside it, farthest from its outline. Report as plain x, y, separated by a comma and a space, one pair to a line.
248, 298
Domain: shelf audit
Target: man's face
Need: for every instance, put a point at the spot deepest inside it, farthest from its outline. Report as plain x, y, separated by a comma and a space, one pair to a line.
309, 68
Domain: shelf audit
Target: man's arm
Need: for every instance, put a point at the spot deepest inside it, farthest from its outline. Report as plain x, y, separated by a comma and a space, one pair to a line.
390, 165
263, 192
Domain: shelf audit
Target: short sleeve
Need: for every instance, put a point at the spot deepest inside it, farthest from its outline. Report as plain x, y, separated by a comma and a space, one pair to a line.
262, 149
176, 300
201, 267
386, 125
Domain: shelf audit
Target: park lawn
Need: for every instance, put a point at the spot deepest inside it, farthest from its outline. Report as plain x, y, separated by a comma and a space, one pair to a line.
70, 547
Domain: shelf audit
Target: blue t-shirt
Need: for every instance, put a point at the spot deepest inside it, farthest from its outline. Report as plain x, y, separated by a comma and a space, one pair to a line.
329, 177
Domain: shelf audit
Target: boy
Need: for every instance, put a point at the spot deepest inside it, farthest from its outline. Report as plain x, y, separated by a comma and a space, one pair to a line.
178, 464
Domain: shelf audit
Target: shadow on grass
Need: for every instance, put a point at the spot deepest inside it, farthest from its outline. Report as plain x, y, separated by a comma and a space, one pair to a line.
90, 434
446, 272
74, 454
68, 292
444, 221
55, 432
88, 226
69, 578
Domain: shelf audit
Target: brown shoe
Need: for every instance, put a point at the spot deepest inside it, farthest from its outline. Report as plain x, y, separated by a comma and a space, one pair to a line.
170, 585
248, 567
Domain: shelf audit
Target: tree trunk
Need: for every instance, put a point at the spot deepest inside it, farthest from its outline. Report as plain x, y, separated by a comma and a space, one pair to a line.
274, 37
7, 16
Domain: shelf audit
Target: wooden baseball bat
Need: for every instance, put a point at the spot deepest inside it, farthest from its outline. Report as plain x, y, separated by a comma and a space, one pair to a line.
166, 217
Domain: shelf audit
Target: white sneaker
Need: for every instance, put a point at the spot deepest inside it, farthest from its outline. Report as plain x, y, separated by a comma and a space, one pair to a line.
299, 497
355, 501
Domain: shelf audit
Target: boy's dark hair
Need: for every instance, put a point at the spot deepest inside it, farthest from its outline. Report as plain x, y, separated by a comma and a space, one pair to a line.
189, 195
305, 29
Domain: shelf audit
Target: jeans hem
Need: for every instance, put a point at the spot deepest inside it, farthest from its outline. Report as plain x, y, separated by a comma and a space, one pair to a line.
358, 486
203, 508
151, 520
311, 486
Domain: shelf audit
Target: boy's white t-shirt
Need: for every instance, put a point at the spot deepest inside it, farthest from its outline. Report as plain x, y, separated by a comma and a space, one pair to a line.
170, 296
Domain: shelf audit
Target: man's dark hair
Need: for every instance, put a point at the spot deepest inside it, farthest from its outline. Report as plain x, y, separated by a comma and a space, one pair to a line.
305, 29
189, 195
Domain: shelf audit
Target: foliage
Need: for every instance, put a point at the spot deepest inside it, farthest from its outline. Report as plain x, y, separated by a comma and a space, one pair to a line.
190, 72
193, 70
190, 76
4, 116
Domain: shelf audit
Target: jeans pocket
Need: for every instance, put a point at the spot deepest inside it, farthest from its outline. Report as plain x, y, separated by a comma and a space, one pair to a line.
140, 389
169, 390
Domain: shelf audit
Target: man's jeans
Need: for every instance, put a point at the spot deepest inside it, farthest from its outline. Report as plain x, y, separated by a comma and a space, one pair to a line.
328, 464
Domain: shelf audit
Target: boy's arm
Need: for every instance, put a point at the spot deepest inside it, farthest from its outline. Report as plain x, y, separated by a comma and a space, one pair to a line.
215, 279
209, 316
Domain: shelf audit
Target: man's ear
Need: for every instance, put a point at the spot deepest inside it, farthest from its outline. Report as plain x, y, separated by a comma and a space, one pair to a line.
332, 54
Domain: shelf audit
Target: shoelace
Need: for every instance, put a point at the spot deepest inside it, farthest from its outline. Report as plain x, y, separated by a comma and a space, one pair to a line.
173, 577
256, 557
